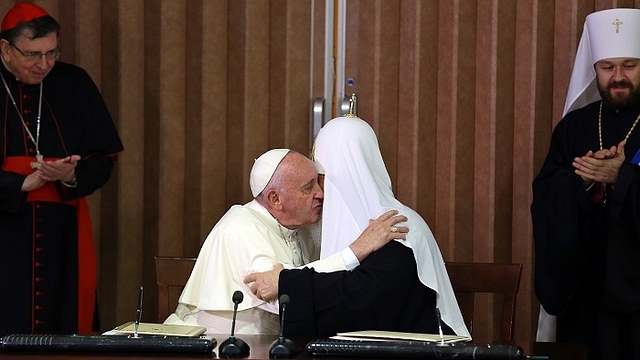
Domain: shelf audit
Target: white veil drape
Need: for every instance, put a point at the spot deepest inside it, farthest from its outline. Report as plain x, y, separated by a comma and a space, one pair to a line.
357, 188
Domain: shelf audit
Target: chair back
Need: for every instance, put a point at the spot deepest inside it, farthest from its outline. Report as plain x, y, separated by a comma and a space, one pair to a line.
469, 278
170, 272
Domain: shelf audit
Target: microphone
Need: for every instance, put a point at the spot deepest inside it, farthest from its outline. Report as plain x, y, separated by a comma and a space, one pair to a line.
283, 348
234, 347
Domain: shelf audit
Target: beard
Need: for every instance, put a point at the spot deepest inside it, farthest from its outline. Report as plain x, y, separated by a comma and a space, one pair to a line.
620, 101
311, 238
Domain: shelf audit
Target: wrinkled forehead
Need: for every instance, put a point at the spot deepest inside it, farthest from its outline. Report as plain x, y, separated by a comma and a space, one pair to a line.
297, 171
297, 164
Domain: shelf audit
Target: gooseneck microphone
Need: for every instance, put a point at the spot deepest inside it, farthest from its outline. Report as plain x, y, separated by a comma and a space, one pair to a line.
283, 348
234, 347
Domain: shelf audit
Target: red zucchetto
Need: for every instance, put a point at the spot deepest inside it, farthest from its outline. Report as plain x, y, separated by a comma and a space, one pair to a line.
21, 12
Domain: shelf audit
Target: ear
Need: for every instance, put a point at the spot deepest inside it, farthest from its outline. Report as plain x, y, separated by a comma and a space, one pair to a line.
273, 198
5, 47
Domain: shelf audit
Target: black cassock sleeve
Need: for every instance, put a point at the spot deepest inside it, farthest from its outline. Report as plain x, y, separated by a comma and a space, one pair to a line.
559, 211
383, 293
85, 125
565, 220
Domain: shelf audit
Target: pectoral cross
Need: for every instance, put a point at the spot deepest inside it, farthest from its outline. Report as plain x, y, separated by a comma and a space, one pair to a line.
36, 164
294, 244
617, 23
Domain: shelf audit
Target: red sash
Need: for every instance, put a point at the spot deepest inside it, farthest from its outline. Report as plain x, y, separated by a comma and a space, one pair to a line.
87, 259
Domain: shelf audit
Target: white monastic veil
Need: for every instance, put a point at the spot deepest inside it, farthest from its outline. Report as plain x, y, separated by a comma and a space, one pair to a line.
606, 34
357, 188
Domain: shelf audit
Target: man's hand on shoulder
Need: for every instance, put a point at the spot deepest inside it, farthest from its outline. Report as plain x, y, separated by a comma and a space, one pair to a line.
264, 285
379, 232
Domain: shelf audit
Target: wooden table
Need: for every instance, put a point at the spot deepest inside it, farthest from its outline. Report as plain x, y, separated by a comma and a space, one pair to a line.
260, 345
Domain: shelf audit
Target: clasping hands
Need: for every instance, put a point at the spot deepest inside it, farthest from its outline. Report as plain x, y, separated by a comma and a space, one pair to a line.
61, 169
602, 166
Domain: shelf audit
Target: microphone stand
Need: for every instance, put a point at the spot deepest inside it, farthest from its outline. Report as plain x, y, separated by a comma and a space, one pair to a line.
138, 314
439, 318
234, 347
283, 347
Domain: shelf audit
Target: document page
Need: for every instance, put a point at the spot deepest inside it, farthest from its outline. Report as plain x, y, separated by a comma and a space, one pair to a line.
392, 335
158, 329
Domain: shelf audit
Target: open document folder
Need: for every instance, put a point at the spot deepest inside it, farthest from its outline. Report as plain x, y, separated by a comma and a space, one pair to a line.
158, 329
393, 335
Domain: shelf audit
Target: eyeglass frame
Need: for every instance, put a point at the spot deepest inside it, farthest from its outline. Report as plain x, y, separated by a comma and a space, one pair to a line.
30, 56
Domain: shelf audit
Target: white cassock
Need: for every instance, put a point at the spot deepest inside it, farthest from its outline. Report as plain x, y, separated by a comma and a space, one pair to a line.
246, 239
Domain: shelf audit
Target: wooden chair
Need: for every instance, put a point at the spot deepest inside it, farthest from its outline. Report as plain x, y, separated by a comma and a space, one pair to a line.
469, 278
170, 272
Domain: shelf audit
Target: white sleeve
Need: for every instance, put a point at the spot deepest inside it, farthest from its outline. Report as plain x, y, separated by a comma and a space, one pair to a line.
343, 260
350, 259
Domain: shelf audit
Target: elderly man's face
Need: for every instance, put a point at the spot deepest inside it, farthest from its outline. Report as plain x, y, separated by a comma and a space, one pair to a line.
619, 81
302, 196
22, 60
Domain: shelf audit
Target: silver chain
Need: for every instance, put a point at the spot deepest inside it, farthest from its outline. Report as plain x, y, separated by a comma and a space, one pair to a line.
35, 140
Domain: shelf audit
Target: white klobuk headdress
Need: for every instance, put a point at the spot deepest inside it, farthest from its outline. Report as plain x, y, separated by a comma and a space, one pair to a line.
613, 33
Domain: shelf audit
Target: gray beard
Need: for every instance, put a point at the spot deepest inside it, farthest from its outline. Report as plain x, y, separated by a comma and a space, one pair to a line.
310, 239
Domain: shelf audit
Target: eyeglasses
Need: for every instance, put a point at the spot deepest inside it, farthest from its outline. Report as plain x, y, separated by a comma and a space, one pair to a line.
33, 56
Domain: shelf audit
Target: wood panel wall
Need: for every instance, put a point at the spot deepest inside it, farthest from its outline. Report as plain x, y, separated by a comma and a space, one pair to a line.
463, 95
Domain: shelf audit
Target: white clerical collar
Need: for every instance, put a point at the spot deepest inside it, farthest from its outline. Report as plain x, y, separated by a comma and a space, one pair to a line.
286, 231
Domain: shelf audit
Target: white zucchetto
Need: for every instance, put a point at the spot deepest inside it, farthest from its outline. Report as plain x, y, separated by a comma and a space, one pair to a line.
263, 169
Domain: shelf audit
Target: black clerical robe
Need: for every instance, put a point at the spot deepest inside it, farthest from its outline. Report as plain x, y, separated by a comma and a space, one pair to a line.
587, 251
47, 254
383, 293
